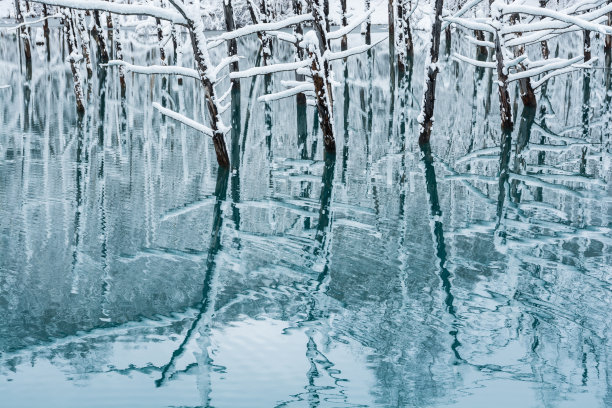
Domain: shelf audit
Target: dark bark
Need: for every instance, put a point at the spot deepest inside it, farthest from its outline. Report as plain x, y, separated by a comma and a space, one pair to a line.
587, 45
544, 43
78, 91
344, 41
431, 74
232, 45
160, 40
24, 34
324, 106
46, 32
525, 88
262, 16
299, 32
96, 32
481, 50
368, 25
608, 41
404, 36
504, 97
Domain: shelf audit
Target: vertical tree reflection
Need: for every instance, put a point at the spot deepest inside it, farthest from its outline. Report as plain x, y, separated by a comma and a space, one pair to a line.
438, 238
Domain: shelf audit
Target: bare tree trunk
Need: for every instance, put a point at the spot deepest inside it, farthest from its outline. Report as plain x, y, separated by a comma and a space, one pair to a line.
202, 59
96, 32
544, 43
160, 36
404, 35
368, 25
298, 31
429, 97
85, 46
24, 34
46, 31
118, 53
232, 45
608, 42
260, 16
481, 50
587, 45
344, 41
320, 74
502, 79
76, 75
526, 90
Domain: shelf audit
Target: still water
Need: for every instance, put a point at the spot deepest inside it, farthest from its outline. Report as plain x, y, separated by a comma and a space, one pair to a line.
136, 273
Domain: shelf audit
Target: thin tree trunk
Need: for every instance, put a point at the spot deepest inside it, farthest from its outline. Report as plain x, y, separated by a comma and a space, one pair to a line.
202, 59
85, 46
116, 36
46, 31
608, 41
76, 75
368, 25
344, 41
525, 88
96, 32
232, 45
587, 45
320, 74
260, 16
298, 31
502, 80
404, 35
426, 117
544, 43
24, 34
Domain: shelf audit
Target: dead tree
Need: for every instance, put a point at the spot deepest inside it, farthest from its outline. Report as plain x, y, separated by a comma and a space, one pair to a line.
84, 36
27, 49
232, 45
404, 46
525, 88
191, 14
98, 35
260, 15
73, 58
344, 41
431, 72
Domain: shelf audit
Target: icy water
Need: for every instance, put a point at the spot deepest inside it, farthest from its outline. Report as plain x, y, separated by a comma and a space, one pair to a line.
136, 273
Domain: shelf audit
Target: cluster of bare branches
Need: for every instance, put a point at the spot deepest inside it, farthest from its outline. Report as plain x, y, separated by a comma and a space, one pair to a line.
510, 27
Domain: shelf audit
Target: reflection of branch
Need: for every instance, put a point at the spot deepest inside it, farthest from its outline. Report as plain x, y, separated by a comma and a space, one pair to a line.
209, 289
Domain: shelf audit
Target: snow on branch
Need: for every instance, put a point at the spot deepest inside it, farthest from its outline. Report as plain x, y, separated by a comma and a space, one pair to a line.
254, 28
557, 64
331, 56
304, 87
354, 23
119, 8
481, 64
270, 69
183, 119
27, 23
155, 69
466, 7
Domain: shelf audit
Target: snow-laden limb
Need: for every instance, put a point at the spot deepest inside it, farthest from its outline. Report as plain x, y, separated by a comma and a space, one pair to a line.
183, 119
224, 63
283, 36
464, 9
558, 19
476, 63
303, 88
155, 69
558, 64
355, 22
118, 8
270, 69
5, 86
562, 71
28, 23
481, 43
470, 24
331, 56
254, 28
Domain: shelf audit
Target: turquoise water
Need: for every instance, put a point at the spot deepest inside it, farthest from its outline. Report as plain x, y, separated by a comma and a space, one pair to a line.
136, 273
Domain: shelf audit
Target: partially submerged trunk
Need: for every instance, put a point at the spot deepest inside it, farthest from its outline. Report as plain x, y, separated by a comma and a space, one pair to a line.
298, 31
431, 72
202, 60
321, 74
